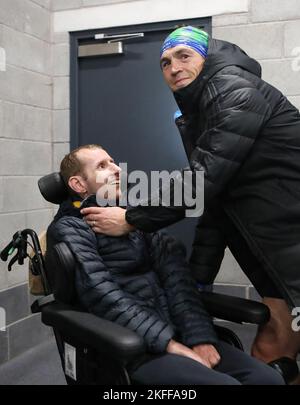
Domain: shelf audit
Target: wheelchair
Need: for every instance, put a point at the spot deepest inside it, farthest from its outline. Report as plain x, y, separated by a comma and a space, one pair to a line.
95, 351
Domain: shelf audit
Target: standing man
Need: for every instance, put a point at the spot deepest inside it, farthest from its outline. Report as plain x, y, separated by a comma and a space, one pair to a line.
244, 135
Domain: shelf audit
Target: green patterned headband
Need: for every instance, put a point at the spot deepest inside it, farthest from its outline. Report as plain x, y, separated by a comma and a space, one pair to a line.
188, 36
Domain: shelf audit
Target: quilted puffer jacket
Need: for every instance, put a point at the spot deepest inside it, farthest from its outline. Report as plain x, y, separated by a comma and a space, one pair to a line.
244, 135
141, 281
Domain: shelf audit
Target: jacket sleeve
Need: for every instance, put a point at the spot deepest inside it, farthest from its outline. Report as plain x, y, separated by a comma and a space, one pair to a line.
235, 112
100, 294
208, 249
193, 324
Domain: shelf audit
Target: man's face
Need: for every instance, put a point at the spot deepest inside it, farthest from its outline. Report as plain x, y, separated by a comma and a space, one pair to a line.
180, 66
101, 175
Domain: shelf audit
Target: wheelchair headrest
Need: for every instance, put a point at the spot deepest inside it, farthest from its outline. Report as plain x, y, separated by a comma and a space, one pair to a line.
53, 188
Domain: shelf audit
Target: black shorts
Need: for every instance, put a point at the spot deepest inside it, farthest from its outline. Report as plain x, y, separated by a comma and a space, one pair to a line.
250, 265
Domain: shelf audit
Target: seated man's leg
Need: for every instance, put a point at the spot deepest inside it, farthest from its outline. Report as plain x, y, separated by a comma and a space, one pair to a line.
235, 368
276, 338
172, 369
246, 369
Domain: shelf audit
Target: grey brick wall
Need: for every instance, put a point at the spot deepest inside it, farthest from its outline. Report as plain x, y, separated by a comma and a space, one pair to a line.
61, 91
26, 153
58, 5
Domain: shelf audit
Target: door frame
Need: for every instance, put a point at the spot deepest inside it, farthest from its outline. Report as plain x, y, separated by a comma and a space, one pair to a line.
79, 37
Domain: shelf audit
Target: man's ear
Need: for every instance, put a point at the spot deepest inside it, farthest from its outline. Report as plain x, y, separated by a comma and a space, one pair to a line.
77, 184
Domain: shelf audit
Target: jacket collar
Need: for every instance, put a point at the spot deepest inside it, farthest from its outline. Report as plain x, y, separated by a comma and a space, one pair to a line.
73, 205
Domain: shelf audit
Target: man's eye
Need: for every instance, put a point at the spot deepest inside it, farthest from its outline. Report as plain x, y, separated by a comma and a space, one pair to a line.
165, 64
184, 56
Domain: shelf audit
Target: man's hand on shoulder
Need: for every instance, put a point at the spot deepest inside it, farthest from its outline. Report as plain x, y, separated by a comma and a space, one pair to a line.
109, 220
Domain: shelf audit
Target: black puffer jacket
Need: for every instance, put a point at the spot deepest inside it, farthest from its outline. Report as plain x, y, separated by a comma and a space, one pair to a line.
245, 136
139, 281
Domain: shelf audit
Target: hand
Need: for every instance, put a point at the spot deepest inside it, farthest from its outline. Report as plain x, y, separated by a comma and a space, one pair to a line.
110, 220
208, 353
181, 350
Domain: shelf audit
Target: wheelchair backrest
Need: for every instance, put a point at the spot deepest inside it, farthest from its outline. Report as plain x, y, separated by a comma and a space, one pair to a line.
60, 268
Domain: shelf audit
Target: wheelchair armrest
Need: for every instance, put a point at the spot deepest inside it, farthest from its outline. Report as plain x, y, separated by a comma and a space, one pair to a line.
91, 330
235, 309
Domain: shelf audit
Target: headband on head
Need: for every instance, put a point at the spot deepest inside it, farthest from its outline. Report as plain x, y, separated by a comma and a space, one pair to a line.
188, 36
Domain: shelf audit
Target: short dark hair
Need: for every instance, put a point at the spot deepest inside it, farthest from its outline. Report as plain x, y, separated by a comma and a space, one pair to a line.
71, 165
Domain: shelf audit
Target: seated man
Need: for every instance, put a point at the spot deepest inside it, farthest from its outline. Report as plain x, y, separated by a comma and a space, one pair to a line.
142, 282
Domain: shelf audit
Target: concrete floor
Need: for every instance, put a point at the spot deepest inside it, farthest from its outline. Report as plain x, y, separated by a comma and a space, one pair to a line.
38, 366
